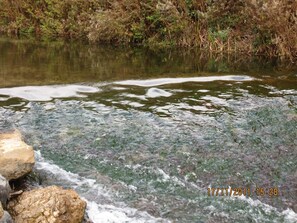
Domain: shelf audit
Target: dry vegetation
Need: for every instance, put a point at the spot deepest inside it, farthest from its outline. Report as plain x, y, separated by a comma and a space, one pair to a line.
265, 27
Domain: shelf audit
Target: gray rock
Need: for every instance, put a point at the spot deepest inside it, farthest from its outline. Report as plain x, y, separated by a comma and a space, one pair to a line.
4, 191
5, 216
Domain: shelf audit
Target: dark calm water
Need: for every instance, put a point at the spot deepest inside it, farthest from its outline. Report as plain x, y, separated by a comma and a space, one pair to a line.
142, 135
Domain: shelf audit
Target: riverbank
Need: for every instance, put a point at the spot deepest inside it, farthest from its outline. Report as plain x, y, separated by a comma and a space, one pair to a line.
244, 27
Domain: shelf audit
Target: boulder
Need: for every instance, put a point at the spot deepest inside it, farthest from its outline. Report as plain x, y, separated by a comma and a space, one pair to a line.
16, 157
51, 204
4, 216
4, 191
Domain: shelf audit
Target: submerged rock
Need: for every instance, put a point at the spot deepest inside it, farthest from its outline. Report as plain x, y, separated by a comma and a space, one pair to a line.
16, 157
4, 191
51, 204
5, 216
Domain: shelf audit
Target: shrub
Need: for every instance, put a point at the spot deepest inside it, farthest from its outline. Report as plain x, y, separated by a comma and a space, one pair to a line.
266, 27
132, 21
46, 18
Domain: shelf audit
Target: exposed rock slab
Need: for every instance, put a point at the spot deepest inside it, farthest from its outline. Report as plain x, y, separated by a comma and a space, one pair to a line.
16, 157
51, 204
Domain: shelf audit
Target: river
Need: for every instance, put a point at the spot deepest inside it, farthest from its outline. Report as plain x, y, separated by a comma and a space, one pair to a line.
145, 135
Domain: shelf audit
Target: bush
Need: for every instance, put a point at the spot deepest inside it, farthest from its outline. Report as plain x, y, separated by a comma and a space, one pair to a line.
246, 26
276, 30
47, 18
132, 21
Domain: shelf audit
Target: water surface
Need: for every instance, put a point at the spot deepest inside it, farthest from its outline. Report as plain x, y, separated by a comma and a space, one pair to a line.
142, 135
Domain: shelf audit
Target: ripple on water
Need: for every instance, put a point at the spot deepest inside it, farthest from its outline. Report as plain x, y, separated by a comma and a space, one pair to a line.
102, 208
161, 164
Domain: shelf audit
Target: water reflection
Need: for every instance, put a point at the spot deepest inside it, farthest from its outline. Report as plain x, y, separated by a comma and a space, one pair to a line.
32, 63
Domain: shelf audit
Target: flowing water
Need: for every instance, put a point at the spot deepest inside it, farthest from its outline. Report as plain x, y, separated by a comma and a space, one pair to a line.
142, 135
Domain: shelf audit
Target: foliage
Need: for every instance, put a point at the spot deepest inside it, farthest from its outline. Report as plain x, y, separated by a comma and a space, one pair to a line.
265, 27
132, 21
46, 18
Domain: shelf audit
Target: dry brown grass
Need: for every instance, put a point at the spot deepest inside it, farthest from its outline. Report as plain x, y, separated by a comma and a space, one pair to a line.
263, 27
277, 24
46, 18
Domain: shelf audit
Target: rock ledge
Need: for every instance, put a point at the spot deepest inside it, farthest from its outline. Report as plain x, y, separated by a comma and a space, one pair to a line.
16, 157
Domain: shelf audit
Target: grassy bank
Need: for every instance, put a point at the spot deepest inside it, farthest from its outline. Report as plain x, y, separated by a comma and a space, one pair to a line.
266, 27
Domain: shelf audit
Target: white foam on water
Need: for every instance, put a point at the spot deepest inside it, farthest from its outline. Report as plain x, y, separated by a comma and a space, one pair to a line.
203, 91
141, 97
163, 81
290, 215
47, 93
156, 92
131, 103
174, 179
164, 177
112, 212
136, 104
74, 180
119, 88
215, 100
284, 92
106, 214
